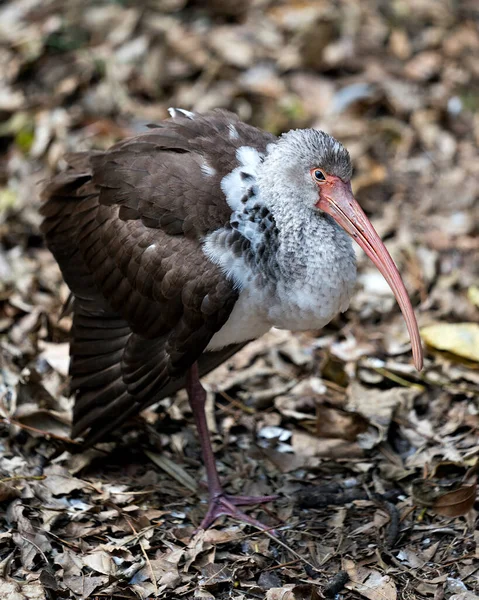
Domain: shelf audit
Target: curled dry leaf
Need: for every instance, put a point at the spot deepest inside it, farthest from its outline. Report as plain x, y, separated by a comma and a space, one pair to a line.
456, 502
452, 497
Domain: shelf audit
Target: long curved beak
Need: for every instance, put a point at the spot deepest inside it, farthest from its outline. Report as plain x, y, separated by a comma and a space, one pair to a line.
337, 200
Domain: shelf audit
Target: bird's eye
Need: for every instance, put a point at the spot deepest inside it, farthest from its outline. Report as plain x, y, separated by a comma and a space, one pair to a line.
318, 175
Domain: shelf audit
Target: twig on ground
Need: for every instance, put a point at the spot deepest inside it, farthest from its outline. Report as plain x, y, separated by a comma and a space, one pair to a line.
393, 528
23, 478
321, 496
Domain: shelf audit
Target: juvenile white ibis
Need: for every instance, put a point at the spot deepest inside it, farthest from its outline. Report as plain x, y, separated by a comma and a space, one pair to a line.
183, 243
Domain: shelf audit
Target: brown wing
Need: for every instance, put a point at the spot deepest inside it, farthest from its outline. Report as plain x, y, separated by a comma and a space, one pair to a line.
126, 227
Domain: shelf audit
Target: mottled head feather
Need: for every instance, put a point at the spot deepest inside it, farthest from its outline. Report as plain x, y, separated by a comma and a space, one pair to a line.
285, 174
315, 148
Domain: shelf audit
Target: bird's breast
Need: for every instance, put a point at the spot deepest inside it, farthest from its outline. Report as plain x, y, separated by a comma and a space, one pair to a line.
288, 302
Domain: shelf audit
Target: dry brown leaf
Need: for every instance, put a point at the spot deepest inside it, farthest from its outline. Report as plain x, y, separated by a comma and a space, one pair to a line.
369, 583
280, 594
43, 422
378, 407
451, 497
293, 592
306, 445
101, 562
457, 502
217, 536
7, 492
60, 483
444, 501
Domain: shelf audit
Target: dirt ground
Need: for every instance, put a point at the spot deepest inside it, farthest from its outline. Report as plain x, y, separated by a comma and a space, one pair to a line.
375, 464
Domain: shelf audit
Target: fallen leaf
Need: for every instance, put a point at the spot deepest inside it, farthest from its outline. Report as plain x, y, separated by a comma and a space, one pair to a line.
62, 483
306, 445
293, 592
378, 407
269, 580
45, 421
9, 590
410, 559
458, 338
101, 562
457, 502
451, 497
214, 573
57, 356
84, 586
370, 584
31, 541
473, 295
7, 492
173, 469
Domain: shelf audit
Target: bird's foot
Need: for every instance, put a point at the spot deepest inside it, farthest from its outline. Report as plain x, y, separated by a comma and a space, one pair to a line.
224, 504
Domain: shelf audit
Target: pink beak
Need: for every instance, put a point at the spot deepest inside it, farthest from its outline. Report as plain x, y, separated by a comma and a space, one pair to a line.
337, 200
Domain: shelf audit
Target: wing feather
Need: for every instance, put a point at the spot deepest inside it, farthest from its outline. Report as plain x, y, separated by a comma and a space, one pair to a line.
126, 227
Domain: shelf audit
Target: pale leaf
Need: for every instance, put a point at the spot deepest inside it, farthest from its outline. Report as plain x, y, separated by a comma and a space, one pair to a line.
458, 338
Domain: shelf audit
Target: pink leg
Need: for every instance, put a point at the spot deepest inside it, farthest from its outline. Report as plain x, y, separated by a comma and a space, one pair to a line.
219, 502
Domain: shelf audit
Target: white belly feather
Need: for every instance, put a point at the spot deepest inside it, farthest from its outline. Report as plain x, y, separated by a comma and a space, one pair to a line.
247, 322
293, 305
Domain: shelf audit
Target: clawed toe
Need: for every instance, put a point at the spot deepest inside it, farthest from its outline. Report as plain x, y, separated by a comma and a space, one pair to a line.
227, 505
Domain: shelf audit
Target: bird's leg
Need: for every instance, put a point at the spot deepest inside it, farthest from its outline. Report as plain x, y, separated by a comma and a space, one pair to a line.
219, 502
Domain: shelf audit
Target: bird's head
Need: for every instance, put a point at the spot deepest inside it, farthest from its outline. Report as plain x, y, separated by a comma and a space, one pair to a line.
311, 167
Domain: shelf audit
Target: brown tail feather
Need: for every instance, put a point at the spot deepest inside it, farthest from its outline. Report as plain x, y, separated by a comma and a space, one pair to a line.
99, 336
103, 401
98, 342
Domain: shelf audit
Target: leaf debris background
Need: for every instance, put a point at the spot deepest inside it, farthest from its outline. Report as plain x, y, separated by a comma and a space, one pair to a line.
341, 408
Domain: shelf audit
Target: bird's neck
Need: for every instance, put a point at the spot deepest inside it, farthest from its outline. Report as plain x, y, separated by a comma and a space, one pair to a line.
310, 246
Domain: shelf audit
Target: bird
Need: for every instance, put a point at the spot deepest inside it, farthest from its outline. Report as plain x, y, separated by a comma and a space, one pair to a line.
185, 242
